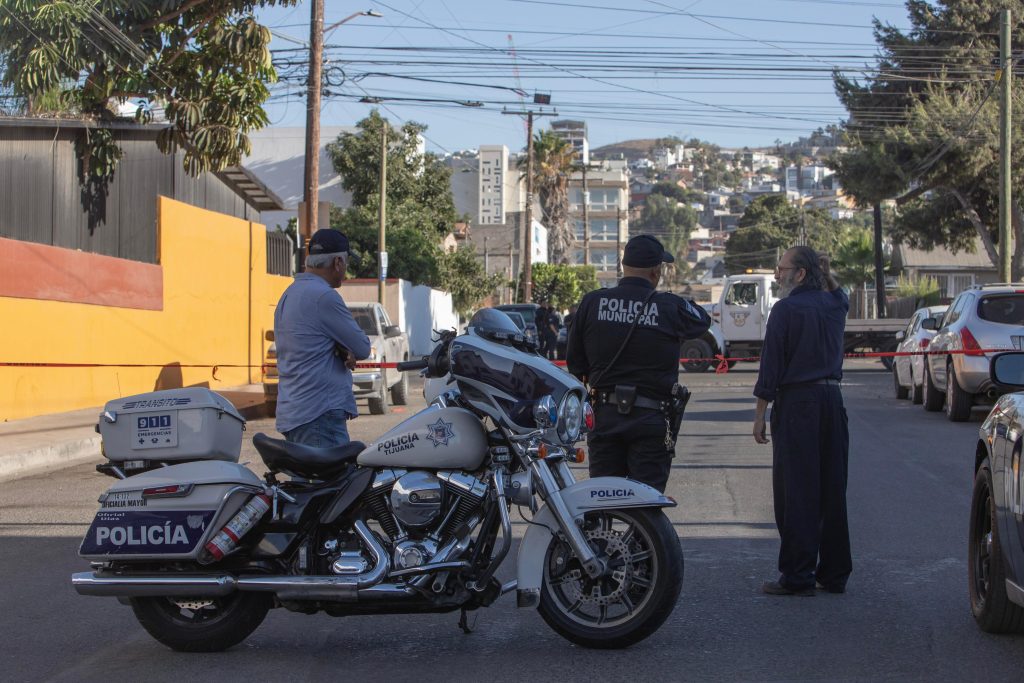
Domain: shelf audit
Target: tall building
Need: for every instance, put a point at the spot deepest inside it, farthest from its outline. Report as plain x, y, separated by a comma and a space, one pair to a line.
576, 133
604, 189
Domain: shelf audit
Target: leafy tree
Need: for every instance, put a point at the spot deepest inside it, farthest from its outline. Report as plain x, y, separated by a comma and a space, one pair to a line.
418, 185
207, 63
561, 284
671, 223
771, 224
461, 273
935, 147
552, 164
413, 252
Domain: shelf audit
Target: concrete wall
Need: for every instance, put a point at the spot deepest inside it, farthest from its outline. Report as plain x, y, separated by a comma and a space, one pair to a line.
418, 310
212, 306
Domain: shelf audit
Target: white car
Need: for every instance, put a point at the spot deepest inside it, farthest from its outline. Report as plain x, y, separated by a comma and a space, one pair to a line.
908, 371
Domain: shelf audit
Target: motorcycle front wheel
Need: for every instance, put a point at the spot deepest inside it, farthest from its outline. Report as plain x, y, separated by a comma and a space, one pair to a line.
636, 594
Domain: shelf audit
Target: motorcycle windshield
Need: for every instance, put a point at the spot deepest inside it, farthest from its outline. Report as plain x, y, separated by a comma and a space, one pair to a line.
504, 381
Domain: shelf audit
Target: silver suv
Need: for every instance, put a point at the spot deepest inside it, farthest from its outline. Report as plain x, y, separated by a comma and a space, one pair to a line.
982, 318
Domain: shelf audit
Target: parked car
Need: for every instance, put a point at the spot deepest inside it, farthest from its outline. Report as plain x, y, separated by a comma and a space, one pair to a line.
982, 317
995, 567
388, 344
908, 371
529, 313
518, 319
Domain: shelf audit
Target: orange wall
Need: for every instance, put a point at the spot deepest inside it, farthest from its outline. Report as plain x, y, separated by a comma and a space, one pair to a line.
217, 302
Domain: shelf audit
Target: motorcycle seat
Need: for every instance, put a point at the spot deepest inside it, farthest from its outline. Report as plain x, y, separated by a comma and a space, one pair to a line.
306, 461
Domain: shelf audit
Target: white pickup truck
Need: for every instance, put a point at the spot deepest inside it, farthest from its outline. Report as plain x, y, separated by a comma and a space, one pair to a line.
741, 313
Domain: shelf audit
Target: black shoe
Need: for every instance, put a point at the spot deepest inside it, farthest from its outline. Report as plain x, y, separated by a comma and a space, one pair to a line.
830, 589
776, 588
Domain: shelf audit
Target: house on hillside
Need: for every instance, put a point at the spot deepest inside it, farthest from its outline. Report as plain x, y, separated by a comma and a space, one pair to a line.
954, 272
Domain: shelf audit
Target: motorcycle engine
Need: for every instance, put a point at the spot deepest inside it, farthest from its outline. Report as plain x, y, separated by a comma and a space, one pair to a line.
416, 499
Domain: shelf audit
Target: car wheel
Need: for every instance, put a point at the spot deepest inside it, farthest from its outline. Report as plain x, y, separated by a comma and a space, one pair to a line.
693, 350
958, 401
400, 392
916, 389
901, 391
933, 398
379, 403
986, 569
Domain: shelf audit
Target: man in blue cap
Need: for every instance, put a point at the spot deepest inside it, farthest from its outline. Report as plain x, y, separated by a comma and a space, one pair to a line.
318, 343
624, 342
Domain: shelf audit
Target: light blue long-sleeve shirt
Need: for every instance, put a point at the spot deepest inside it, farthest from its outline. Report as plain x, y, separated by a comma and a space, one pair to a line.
310, 319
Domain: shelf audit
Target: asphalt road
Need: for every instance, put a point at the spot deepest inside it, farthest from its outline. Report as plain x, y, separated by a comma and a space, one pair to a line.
905, 615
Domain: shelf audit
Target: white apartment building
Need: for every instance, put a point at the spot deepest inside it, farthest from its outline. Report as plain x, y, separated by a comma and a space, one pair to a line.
576, 133
606, 228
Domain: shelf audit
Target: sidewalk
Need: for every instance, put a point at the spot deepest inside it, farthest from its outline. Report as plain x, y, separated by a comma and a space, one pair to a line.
49, 442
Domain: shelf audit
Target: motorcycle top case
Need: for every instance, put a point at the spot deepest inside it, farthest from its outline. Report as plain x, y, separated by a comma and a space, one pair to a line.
166, 426
169, 513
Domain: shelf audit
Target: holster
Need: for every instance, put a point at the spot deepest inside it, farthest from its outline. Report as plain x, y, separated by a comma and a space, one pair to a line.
625, 397
677, 407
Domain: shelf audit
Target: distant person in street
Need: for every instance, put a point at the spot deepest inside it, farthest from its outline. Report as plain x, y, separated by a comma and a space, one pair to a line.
624, 342
318, 343
801, 368
540, 320
551, 324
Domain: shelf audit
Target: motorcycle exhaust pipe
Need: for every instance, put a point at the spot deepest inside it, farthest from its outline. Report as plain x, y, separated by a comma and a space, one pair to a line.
332, 588
88, 583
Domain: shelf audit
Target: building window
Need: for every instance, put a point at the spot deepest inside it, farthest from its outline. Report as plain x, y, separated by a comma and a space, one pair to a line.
601, 230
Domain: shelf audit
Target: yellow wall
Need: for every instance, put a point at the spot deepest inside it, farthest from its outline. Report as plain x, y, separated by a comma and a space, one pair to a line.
218, 302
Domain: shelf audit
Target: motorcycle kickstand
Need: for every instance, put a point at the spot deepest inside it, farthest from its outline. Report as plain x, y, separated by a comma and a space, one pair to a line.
464, 624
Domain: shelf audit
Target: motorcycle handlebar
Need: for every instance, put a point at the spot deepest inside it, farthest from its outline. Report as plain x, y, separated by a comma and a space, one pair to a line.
405, 366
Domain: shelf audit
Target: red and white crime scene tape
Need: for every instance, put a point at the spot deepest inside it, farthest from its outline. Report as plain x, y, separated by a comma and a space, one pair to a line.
721, 368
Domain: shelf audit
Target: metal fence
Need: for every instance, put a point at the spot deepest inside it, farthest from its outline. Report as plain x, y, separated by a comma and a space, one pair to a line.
280, 254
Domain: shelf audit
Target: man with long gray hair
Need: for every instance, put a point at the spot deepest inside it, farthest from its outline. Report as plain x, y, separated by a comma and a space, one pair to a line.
318, 343
801, 368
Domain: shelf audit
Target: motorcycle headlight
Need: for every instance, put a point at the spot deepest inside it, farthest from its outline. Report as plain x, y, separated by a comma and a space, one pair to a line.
570, 417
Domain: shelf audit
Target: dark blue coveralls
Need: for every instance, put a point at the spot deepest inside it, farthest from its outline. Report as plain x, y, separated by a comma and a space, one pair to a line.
801, 366
631, 445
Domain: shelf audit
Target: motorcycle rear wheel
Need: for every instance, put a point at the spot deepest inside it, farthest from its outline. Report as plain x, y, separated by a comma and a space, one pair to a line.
202, 624
633, 599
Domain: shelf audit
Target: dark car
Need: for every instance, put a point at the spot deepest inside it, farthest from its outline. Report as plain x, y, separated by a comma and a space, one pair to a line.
995, 566
529, 313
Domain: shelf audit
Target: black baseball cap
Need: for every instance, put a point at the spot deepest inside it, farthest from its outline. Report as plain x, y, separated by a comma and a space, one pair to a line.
645, 251
327, 241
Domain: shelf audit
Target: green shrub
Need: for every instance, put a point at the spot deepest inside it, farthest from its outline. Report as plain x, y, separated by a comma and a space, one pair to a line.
923, 289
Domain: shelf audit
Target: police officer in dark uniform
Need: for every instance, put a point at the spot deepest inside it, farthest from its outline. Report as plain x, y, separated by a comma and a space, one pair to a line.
624, 342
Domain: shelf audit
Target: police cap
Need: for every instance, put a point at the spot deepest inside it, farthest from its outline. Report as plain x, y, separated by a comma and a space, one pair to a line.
645, 251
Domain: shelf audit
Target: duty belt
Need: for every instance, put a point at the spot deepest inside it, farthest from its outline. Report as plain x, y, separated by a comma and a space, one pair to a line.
601, 397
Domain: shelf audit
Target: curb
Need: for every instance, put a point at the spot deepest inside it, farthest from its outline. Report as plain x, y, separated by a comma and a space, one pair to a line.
49, 457
57, 456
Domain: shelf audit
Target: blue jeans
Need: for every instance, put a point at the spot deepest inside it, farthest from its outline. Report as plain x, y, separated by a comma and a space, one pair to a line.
330, 429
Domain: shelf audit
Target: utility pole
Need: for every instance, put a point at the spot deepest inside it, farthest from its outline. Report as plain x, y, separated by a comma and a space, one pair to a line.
382, 255
879, 267
618, 243
1005, 118
511, 271
586, 218
528, 237
487, 260
311, 167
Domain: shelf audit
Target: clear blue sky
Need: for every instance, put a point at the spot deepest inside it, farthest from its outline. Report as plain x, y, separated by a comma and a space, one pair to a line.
735, 73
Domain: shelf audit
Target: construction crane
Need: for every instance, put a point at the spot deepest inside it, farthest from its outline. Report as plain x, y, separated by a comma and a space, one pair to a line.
515, 74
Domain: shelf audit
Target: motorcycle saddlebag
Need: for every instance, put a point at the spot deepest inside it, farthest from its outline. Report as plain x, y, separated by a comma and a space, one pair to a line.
169, 513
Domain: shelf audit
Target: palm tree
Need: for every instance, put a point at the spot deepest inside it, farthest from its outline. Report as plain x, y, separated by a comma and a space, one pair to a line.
855, 261
552, 164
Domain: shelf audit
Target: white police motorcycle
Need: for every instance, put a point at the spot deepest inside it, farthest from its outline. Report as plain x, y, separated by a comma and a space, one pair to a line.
417, 521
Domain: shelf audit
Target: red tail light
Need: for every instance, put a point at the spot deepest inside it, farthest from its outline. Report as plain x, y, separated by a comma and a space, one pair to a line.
588, 417
970, 344
173, 491
924, 343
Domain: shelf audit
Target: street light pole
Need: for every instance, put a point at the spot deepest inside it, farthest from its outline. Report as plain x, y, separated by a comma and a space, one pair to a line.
382, 254
311, 167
